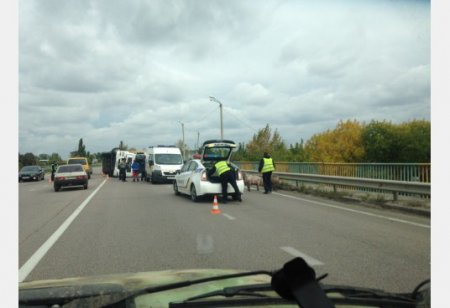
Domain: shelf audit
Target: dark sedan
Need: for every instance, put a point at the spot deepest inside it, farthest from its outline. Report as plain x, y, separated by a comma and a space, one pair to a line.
70, 175
31, 173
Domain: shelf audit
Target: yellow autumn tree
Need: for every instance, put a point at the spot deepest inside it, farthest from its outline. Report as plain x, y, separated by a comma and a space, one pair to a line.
343, 144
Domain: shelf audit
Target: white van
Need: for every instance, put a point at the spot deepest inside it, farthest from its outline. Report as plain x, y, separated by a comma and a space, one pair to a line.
164, 162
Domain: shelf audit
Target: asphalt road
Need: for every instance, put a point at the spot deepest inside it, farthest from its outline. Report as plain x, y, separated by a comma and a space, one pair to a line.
133, 227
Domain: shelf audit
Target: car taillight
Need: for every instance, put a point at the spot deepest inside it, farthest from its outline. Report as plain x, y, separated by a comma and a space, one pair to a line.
203, 177
81, 177
60, 178
240, 175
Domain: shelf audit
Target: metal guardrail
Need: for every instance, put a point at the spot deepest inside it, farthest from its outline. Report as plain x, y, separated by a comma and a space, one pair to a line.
416, 188
409, 172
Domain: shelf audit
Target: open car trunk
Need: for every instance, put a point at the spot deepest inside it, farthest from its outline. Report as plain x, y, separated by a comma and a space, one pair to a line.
214, 151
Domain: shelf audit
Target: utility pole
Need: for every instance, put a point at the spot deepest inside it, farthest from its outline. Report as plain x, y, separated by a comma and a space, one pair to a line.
198, 137
184, 148
213, 99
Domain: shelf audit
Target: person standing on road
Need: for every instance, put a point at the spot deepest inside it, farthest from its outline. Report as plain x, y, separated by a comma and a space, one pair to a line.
135, 167
54, 166
122, 170
226, 176
266, 166
142, 171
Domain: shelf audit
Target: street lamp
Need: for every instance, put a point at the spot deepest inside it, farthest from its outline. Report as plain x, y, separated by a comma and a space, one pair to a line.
213, 99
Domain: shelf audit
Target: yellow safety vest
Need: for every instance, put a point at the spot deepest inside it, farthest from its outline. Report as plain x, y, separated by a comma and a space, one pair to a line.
268, 165
222, 167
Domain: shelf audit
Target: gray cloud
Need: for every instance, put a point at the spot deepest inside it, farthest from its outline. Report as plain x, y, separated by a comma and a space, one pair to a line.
134, 70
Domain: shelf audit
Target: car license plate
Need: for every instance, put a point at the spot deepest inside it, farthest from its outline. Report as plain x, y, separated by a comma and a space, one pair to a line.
25, 177
170, 177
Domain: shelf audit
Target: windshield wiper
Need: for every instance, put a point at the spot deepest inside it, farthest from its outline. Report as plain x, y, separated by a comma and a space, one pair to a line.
366, 296
248, 290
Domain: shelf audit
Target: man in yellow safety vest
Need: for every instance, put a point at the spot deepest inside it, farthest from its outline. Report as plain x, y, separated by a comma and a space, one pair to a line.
266, 166
226, 176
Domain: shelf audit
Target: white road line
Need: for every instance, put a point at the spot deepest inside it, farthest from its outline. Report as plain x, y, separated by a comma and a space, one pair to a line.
294, 252
359, 212
228, 216
26, 269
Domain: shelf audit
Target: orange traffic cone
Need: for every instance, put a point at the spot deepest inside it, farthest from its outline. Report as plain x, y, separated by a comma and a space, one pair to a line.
215, 208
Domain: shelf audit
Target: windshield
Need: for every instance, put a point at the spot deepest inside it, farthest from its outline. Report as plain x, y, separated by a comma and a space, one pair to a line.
75, 168
216, 153
302, 127
168, 159
30, 168
76, 161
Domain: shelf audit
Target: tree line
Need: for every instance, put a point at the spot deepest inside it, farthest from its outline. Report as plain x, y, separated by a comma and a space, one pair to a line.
47, 159
349, 142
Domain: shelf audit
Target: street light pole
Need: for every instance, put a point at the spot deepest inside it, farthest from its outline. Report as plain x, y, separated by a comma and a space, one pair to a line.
213, 99
184, 148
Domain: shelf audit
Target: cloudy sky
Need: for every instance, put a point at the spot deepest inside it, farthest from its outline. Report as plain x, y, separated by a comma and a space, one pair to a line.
107, 71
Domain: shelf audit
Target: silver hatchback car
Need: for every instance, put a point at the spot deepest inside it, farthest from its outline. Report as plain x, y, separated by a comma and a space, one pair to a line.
69, 176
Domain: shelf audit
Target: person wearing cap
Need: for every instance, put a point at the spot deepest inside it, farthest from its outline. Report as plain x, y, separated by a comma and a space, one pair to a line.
266, 166
226, 176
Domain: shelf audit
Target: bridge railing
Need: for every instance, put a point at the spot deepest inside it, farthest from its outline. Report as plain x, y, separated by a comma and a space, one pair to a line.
403, 179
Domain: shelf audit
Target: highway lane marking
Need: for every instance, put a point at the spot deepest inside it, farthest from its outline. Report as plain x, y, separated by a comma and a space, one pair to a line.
228, 216
358, 212
294, 252
26, 269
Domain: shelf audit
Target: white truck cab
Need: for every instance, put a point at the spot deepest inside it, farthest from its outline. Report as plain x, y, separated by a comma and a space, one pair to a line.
164, 161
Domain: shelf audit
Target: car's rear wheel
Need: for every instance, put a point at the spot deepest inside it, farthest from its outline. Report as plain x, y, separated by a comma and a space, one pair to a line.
194, 196
85, 186
175, 188
57, 187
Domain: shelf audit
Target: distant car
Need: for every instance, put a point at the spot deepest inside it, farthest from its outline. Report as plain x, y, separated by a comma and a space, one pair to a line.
193, 178
82, 161
69, 176
31, 173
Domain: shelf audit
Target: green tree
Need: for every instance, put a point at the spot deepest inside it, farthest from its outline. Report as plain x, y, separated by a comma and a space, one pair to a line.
415, 139
27, 159
81, 151
43, 156
381, 142
265, 141
81, 148
241, 153
54, 157
297, 152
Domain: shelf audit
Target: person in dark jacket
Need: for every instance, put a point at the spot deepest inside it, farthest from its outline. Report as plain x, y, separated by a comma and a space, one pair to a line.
122, 170
266, 166
226, 176
54, 167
